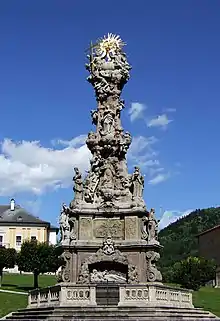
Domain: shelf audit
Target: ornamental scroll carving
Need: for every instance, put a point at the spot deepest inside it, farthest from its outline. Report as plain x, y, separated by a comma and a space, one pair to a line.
65, 274
153, 274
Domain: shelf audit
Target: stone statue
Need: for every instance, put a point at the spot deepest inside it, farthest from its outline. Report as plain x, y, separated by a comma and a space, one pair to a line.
98, 276
107, 176
107, 124
137, 183
78, 186
72, 224
152, 226
64, 224
149, 229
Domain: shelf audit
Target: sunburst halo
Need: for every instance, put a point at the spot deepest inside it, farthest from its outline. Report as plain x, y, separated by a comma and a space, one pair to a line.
109, 45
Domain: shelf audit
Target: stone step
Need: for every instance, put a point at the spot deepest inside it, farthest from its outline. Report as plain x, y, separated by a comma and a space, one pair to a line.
112, 314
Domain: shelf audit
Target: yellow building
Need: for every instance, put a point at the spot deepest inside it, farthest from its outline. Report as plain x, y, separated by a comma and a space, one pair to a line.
18, 225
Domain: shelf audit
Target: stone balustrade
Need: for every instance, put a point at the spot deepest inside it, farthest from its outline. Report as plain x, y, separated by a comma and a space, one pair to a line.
154, 294
48, 296
67, 294
62, 295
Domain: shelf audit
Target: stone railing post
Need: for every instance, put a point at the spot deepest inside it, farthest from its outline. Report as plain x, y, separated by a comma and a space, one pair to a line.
93, 295
152, 293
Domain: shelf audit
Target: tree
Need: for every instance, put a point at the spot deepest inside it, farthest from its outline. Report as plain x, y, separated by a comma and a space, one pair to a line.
7, 260
193, 272
38, 258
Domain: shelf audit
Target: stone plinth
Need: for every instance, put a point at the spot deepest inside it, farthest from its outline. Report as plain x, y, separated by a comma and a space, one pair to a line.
148, 295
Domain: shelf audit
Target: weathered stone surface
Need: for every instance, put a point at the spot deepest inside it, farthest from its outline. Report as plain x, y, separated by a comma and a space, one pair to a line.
131, 228
108, 227
85, 228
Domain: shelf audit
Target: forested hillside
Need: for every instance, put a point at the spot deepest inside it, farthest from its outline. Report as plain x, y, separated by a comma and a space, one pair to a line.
179, 239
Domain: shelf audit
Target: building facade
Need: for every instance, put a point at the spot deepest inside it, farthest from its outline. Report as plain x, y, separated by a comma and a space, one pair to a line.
18, 225
209, 245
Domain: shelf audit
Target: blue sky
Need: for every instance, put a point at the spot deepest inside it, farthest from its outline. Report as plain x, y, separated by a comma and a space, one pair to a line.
172, 100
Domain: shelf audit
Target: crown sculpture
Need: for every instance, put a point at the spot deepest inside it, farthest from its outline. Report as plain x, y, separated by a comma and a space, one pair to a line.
108, 237
108, 204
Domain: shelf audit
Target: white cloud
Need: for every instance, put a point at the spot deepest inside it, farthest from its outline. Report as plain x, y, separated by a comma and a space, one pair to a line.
159, 121
76, 141
159, 178
141, 152
136, 111
29, 167
169, 217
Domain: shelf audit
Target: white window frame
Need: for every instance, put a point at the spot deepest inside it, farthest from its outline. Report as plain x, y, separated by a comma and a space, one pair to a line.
16, 243
2, 243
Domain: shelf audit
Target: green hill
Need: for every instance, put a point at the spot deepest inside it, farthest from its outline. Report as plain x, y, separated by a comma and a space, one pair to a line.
179, 238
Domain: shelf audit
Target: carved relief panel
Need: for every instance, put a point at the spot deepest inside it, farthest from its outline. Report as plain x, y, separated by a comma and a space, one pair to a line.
85, 228
105, 227
131, 228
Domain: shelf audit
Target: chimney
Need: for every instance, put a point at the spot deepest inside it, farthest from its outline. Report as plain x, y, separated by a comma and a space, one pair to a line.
12, 204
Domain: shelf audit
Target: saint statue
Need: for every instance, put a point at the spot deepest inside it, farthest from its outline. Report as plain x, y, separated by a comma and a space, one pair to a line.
152, 226
137, 183
64, 224
78, 185
107, 127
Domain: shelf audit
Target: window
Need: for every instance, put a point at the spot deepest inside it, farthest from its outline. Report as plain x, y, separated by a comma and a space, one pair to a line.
18, 240
1, 240
33, 238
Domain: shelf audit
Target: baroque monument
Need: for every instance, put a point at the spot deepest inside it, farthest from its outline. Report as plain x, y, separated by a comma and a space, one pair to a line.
109, 237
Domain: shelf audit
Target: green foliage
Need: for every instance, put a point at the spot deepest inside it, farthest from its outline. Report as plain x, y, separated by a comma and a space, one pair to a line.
7, 260
179, 238
193, 272
38, 258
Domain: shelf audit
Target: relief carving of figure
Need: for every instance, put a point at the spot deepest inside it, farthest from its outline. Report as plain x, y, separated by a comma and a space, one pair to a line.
107, 181
64, 224
107, 126
137, 183
98, 276
78, 185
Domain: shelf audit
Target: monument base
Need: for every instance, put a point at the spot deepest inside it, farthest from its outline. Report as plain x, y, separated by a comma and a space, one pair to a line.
111, 302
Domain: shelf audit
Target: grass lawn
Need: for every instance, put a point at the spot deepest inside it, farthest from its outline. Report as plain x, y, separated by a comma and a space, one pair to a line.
11, 302
206, 298
24, 282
